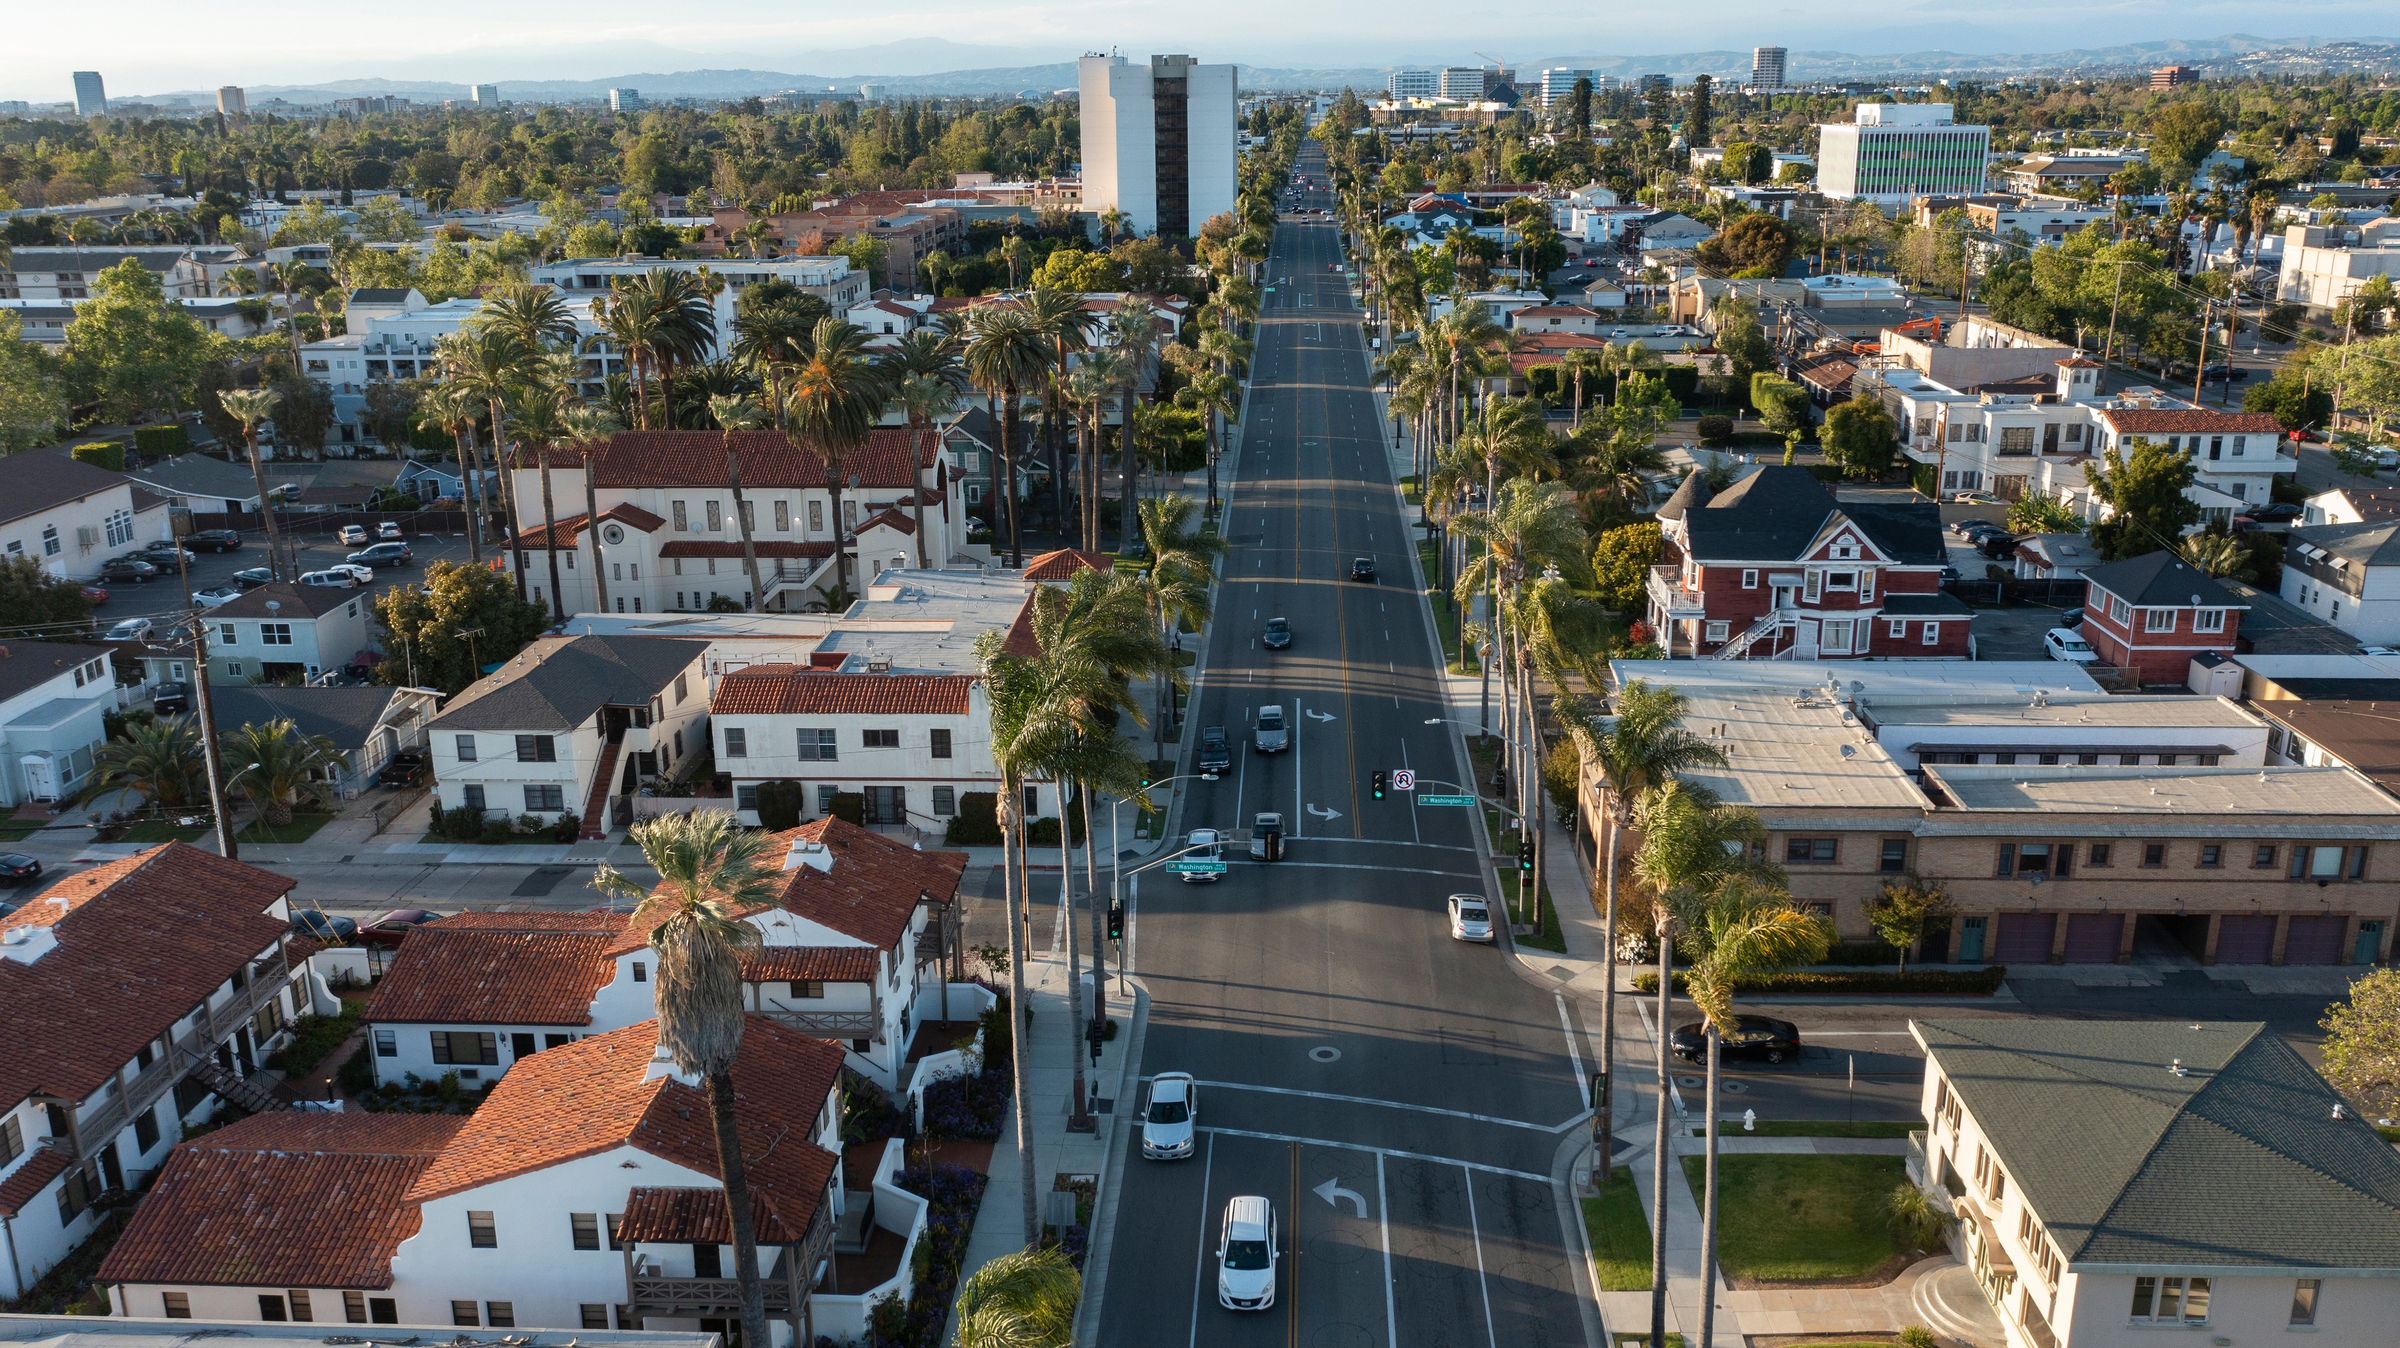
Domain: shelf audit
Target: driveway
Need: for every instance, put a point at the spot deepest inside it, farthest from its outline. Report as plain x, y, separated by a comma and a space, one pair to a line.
2012, 633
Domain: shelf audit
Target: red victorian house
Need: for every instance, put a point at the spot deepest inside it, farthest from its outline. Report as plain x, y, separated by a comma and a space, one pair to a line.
2156, 614
1775, 568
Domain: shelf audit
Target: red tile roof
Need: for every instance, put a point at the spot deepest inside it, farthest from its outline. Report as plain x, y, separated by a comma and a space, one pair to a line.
697, 459
2079, 363
889, 519
697, 547
871, 892
141, 941
2136, 421
591, 1097
689, 1217
811, 964
1063, 563
504, 972
284, 1200
772, 690
30, 1179
570, 529
1556, 311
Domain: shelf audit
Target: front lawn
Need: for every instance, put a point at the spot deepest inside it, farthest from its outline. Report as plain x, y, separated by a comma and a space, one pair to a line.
1620, 1234
1801, 1218
301, 829
159, 831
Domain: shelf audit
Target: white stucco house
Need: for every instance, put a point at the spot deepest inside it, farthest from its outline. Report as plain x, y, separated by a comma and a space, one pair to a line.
2348, 575
53, 698
911, 744
69, 517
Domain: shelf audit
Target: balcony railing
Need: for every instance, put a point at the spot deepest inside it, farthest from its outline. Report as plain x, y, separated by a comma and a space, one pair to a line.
785, 1286
1668, 593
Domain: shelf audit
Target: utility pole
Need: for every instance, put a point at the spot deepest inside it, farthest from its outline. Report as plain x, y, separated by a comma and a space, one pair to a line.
2200, 374
226, 847
2108, 351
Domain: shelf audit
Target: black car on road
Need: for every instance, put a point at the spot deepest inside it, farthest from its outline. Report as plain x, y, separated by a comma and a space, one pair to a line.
1363, 569
214, 540
132, 569
1279, 634
16, 868
1216, 755
254, 578
1762, 1037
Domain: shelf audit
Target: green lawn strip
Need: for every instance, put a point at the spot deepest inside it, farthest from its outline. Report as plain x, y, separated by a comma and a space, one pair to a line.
158, 831
1408, 487
1800, 1218
1620, 1234
1549, 937
1445, 614
1822, 1128
302, 827
19, 834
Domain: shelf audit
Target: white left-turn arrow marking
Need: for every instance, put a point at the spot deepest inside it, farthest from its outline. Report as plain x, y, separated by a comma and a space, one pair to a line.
1332, 1191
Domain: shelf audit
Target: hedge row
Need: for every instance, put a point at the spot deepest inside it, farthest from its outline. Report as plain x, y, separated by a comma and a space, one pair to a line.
1815, 983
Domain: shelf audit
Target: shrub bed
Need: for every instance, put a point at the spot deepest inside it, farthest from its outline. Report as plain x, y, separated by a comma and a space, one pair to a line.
953, 1194
1938, 982
968, 1108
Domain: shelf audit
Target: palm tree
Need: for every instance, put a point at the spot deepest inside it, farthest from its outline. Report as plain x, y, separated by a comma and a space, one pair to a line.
587, 428
250, 407
710, 871
451, 408
1579, 363
1212, 394
158, 762
835, 400
925, 376
633, 321
542, 412
490, 363
1062, 320
734, 414
274, 765
1093, 386
1021, 1300
288, 277
1005, 352
770, 338
1139, 330
1176, 587
537, 316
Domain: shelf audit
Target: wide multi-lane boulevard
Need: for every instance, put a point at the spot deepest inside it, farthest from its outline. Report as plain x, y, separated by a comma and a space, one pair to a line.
1407, 1103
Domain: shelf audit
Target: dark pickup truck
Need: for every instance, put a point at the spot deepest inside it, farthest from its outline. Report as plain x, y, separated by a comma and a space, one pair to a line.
1215, 754
407, 768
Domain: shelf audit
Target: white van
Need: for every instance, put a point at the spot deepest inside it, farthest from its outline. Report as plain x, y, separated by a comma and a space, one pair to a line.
1246, 1255
332, 580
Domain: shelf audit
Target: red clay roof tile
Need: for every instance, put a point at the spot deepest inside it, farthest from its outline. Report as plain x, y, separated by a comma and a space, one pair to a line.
697, 459
453, 973
2163, 421
1063, 563
770, 690
811, 964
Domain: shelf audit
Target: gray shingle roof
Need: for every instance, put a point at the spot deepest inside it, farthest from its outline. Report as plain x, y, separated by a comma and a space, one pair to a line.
558, 682
2238, 1164
1778, 512
33, 483
2372, 543
347, 715
2160, 580
199, 475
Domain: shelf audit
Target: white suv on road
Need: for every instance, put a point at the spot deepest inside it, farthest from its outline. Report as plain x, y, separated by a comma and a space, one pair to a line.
1246, 1255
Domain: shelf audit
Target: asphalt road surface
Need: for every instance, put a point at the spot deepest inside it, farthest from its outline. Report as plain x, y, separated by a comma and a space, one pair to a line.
1338, 1032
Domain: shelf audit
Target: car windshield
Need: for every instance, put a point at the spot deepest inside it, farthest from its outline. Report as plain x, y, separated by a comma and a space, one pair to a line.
1270, 720
1472, 915
1278, 625
1245, 1254
1169, 1111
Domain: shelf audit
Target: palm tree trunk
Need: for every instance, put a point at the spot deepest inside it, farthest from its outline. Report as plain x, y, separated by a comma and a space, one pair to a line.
1537, 822
1708, 1204
506, 481
1056, 435
1013, 895
591, 526
916, 492
741, 517
1660, 1163
1008, 462
266, 509
1091, 899
1606, 1105
1129, 520
841, 544
558, 607
470, 491
737, 1202
1079, 1113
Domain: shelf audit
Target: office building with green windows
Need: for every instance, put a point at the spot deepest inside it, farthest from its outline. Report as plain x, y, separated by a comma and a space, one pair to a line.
1896, 152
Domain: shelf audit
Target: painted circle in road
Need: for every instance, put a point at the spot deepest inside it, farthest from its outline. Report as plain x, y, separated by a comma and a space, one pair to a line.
1325, 1053
1691, 1083
1333, 1249
1733, 1087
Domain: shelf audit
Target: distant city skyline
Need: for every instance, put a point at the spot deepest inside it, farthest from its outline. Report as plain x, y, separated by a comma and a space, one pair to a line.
151, 48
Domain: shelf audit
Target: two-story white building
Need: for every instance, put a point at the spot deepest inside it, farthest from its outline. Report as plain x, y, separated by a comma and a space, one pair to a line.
53, 698
2348, 575
830, 279
569, 724
911, 744
2115, 1180
134, 994
279, 630
70, 517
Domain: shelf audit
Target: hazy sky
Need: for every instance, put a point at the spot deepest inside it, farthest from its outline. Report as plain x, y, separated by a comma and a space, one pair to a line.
149, 46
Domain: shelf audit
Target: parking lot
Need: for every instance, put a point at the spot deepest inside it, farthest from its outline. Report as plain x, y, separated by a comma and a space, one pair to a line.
162, 597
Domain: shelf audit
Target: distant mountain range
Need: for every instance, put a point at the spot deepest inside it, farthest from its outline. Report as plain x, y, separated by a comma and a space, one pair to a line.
2230, 54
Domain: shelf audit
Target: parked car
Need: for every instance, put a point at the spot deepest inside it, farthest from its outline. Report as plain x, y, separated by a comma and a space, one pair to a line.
16, 868
216, 594
214, 540
2071, 619
382, 554
1247, 1255
1962, 528
254, 577
1210, 846
1973, 498
388, 531
1470, 918
132, 629
1761, 1037
353, 535
166, 556
335, 578
1272, 736
364, 575
1997, 544
2060, 644
1170, 1119
132, 569
405, 768
1363, 568
95, 595
168, 699
388, 930
324, 926
1279, 634
2223, 374
1215, 754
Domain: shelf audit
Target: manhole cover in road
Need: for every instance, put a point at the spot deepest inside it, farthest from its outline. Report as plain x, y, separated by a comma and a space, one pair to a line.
1325, 1053
1340, 1335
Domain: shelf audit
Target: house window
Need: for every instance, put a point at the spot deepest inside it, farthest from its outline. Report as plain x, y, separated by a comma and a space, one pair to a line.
2119, 611
682, 689
1897, 630
50, 540
816, 517
783, 525
145, 1130
467, 1048
270, 1307
1837, 636
2158, 620
2154, 854
641, 972
501, 1314
945, 800
737, 743
1933, 634
12, 1140
275, 634
537, 748
595, 1314
354, 1307
1810, 849
300, 1307
585, 1228
540, 799
716, 516
683, 523
816, 745
466, 748
176, 1305
879, 739
745, 797
1841, 580
1749, 580
615, 1240
1813, 588
1717, 631
2211, 856
941, 743
2304, 1302
465, 1313
2167, 1300
383, 1310
480, 1232
1895, 855
808, 989
2208, 620
2264, 855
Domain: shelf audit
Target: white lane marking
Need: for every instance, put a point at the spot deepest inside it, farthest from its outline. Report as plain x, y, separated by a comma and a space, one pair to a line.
1333, 1098
1387, 842
1475, 1230
1332, 1190
1384, 1217
1200, 1260
1583, 1085
1299, 749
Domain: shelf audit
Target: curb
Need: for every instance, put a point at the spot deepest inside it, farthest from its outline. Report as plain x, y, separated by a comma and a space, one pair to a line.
1102, 1234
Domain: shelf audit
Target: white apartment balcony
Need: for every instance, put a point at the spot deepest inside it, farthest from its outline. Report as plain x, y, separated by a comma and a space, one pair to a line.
1668, 594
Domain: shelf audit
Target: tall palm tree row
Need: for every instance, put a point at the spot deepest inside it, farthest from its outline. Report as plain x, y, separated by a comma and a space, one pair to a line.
925, 376
1006, 352
834, 400
1060, 317
250, 407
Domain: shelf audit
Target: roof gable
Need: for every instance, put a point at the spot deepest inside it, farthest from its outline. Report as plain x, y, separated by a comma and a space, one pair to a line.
454, 972
558, 682
2161, 580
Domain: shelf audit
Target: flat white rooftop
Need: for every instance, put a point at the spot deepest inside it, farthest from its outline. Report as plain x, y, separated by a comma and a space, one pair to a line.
1865, 678
1792, 748
2236, 792
2067, 711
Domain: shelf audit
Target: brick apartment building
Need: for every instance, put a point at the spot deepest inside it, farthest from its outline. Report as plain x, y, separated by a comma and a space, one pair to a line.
2153, 614
1774, 566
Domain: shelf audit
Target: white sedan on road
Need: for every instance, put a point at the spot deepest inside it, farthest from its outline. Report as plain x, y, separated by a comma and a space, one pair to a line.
1169, 1119
1207, 845
1470, 918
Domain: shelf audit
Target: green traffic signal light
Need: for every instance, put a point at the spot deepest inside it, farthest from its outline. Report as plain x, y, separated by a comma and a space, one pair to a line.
1116, 921
1378, 782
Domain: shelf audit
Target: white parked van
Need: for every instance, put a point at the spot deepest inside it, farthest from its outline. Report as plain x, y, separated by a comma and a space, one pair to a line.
332, 580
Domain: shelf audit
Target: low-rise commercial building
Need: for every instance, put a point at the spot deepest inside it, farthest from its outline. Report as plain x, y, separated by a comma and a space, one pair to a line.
2325, 265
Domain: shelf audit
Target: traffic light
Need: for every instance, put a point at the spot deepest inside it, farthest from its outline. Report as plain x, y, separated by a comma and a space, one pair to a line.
1525, 865
1378, 782
1116, 920
1147, 774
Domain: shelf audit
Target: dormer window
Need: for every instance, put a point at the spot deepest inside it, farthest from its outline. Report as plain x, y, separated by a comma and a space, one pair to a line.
1845, 552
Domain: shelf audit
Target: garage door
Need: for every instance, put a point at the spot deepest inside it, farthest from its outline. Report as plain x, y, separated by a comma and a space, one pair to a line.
2245, 939
2314, 940
2092, 937
2025, 938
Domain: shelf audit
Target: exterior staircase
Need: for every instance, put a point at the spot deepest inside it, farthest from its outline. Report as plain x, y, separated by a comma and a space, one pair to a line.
248, 1093
1764, 627
595, 807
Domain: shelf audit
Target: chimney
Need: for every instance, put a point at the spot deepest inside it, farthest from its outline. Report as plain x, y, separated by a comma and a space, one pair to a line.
25, 944
812, 854
663, 1065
